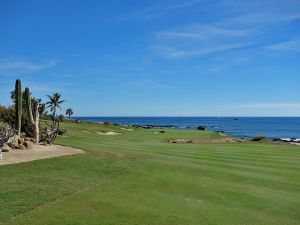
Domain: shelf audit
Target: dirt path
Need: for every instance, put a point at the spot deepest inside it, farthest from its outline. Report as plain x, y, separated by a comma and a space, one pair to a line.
39, 152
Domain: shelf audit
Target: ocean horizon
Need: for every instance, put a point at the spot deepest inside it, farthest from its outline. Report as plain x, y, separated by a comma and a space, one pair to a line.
244, 127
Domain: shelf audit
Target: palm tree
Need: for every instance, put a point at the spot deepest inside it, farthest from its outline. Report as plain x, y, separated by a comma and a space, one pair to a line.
69, 112
54, 103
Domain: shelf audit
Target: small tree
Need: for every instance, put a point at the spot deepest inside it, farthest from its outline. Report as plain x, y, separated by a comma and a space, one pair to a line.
49, 135
69, 112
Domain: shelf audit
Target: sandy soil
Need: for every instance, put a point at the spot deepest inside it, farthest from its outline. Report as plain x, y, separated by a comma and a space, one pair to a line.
39, 152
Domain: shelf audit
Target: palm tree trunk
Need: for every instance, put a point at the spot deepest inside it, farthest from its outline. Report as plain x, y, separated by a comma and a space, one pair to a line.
54, 114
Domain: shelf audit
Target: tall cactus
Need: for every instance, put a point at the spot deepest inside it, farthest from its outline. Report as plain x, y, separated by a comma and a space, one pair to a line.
28, 104
18, 105
34, 115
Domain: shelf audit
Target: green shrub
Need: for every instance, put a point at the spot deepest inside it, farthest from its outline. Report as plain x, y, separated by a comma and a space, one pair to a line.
201, 128
259, 138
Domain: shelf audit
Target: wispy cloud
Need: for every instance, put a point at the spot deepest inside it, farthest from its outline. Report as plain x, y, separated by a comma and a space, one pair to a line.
232, 25
23, 65
287, 46
160, 9
197, 40
177, 51
204, 32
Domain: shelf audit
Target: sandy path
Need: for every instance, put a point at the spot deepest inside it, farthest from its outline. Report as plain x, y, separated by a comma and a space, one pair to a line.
39, 152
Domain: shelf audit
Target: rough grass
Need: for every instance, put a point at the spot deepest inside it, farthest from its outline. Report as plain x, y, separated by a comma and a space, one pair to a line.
138, 178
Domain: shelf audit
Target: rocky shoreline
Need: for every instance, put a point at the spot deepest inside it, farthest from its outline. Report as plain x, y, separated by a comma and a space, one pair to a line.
227, 138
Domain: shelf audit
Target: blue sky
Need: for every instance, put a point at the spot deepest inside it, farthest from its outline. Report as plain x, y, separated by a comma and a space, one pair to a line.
155, 58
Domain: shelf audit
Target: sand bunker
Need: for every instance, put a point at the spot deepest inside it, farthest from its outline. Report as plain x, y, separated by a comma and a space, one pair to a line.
39, 152
107, 133
127, 129
102, 132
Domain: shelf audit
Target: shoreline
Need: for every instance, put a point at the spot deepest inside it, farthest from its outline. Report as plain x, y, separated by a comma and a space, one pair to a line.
282, 140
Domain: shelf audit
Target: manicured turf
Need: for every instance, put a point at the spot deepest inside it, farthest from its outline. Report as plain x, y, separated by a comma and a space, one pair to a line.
137, 177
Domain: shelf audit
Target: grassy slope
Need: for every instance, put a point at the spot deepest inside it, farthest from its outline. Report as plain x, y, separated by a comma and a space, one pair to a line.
139, 178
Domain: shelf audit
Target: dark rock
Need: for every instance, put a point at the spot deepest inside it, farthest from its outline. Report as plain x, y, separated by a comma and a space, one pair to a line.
28, 145
220, 131
13, 145
6, 148
147, 126
21, 141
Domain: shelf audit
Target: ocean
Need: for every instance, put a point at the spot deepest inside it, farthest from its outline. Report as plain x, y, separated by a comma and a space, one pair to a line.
244, 127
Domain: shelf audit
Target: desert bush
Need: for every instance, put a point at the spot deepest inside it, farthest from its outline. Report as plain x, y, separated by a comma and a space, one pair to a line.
7, 115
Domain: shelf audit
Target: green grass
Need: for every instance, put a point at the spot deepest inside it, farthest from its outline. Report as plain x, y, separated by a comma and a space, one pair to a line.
139, 178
